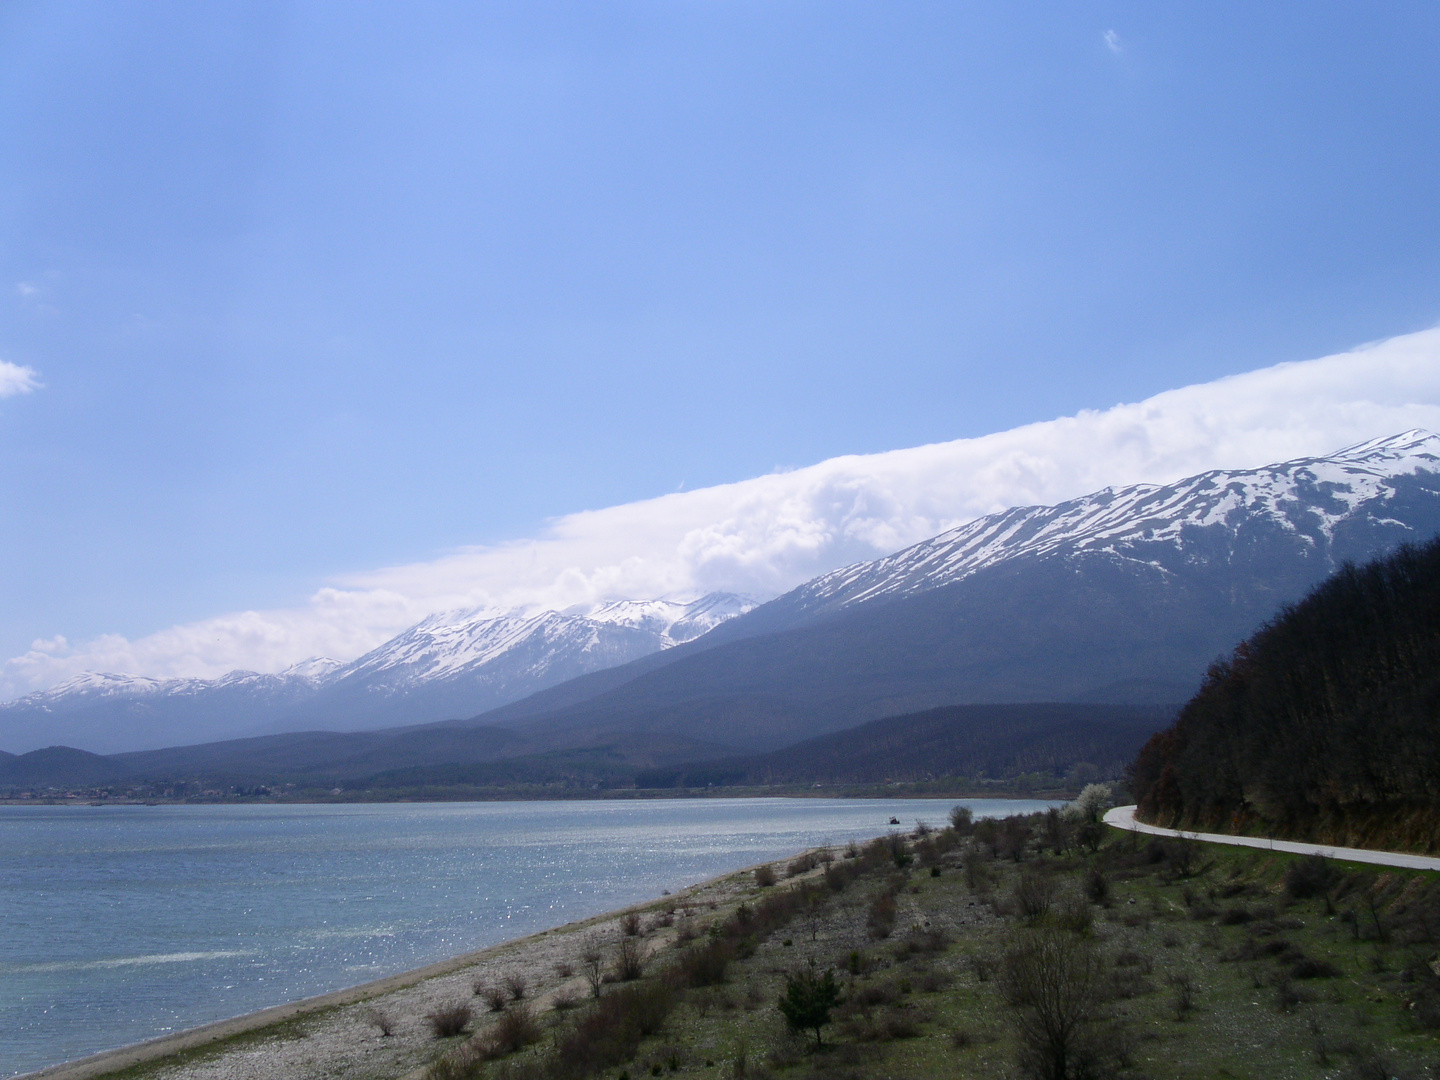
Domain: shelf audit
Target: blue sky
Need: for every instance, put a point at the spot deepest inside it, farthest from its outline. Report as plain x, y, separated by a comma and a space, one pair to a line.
313, 289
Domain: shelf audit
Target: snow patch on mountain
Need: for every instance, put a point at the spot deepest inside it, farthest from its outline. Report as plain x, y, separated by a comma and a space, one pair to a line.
1309, 497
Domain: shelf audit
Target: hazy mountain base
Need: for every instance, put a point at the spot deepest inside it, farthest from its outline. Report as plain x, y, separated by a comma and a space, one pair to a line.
957, 750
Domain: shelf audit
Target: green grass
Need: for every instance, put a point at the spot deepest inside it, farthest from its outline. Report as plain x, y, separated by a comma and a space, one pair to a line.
915, 1011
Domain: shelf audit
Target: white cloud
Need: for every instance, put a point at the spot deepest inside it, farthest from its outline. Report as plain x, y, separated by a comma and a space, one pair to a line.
1112, 42
767, 534
15, 379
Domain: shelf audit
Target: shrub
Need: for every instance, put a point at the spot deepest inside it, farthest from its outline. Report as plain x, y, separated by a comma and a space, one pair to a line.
629, 960
449, 1020
764, 876
1097, 887
516, 1030
962, 819
1309, 968
804, 864
1034, 892
630, 924
1073, 914
382, 1021
610, 1033
494, 997
899, 853
704, 965
1308, 877
515, 986
592, 966
1054, 982
1013, 836
881, 918
922, 943
1184, 999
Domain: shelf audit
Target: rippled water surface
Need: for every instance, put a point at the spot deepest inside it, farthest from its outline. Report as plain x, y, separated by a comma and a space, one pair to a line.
121, 923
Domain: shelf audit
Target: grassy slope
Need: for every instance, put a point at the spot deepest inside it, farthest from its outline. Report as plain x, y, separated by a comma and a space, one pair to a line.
1215, 921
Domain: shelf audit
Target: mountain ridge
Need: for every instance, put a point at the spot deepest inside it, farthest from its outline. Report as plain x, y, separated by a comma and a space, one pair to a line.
449, 664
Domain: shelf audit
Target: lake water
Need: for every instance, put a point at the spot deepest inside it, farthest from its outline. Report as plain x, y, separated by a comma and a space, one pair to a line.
121, 923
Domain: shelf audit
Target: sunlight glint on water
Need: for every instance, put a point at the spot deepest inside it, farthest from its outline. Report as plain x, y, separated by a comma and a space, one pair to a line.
118, 924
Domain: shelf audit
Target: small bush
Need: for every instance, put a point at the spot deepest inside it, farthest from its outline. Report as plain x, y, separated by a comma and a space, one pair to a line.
449, 1020
1308, 877
515, 986
494, 997
933, 981
705, 965
629, 960
764, 876
1309, 968
803, 865
1073, 914
1131, 958
516, 1030
922, 943
592, 966
881, 918
1287, 996
982, 966
837, 876
1097, 887
1034, 893
382, 1021
609, 1034
1184, 999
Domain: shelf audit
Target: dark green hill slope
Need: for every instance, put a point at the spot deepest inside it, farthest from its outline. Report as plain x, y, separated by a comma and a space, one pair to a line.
58, 767
994, 741
1324, 725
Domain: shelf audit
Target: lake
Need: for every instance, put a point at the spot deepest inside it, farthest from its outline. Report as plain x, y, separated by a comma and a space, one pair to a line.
122, 923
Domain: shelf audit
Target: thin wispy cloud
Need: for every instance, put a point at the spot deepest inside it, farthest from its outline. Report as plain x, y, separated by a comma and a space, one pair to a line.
15, 379
1112, 42
767, 534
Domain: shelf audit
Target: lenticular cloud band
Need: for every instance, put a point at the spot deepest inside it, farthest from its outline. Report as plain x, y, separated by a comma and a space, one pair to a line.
768, 534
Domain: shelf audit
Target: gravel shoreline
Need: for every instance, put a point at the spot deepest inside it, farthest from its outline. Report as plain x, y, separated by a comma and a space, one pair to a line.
336, 1036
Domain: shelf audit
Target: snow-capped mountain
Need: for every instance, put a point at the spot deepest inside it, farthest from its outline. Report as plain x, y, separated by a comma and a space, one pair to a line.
451, 644
1123, 596
449, 665
1322, 504
458, 664
92, 686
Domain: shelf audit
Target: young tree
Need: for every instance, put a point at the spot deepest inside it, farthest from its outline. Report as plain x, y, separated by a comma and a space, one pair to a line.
808, 1000
1053, 980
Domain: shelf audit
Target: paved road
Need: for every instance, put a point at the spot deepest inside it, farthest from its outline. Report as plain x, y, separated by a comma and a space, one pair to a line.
1123, 817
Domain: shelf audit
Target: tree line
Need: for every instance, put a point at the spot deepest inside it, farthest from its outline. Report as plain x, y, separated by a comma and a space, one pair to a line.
1325, 724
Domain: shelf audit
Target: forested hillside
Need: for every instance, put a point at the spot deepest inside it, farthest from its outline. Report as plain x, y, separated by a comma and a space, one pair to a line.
975, 742
1324, 725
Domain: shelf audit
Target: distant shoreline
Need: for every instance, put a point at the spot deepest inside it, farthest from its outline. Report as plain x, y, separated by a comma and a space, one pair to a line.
898, 791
